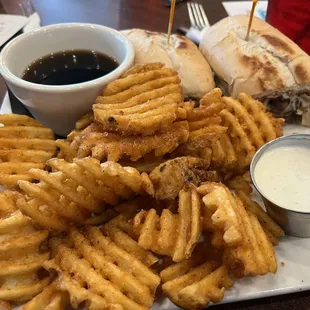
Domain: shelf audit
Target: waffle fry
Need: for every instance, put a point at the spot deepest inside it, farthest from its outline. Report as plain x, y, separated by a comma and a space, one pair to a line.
145, 164
224, 155
74, 191
24, 144
95, 270
102, 145
265, 220
213, 96
262, 117
21, 253
204, 126
200, 139
174, 235
130, 106
223, 211
169, 177
49, 299
241, 183
120, 231
195, 282
249, 252
249, 127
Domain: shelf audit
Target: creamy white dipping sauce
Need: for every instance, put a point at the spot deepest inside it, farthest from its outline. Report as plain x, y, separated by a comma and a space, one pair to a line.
283, 175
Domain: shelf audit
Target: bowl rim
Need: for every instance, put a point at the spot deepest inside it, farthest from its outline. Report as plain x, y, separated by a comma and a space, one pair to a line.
123, 66
256, 158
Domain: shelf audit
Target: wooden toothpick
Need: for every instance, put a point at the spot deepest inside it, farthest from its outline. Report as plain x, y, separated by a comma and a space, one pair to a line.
171, 20
251, 19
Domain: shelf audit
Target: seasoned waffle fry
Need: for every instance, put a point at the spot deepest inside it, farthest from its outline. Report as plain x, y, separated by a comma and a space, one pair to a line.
75, 190
265, 220
249, 251
143, 68
242, 144
143, 111
174, 235
4, 305
146, 164
241, 183
49, 299
224, 211
200, 139
113, 147
263, 119
213, 96
248, 124
66, 152
21, 253
120, 231
195, 282
223, 154
24, 144
94, 269
169, 177
255, 256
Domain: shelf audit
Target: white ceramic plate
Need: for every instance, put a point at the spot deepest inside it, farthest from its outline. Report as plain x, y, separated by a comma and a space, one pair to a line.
293, 256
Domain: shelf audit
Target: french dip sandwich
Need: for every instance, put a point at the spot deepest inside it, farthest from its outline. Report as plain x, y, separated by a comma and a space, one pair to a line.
181, 54
267, 61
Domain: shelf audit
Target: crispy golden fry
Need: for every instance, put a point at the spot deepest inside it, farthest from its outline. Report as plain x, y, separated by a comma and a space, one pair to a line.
242, 144
249, 127
143, 111
265, 220
213, 96
255, 256
65, 151
200, 139
193, 283
49, 299
223, 212
269, 126
169, 177
174, 235
224, 155
96, 270
204, 126
143, 68
21, 253
111, 146
146, 164
85, 121
73, 191
18, 120
24, 144
249, 251
4, 305
241, 183
108, 181
206, 111
120, 231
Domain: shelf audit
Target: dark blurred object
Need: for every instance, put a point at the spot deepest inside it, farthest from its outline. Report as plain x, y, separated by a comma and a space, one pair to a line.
291, 17
168, 2
16, 106
292, 103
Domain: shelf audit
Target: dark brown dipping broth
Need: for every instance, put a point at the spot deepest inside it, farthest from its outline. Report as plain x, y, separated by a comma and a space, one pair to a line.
69, 67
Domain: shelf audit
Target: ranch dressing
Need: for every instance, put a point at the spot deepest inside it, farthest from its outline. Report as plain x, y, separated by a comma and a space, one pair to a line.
283, 176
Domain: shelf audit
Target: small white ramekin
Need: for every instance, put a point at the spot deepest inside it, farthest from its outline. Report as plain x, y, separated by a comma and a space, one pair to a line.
59, 107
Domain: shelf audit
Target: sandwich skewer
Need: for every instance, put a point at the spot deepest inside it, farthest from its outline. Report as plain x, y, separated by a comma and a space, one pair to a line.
254, 3
171, 20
